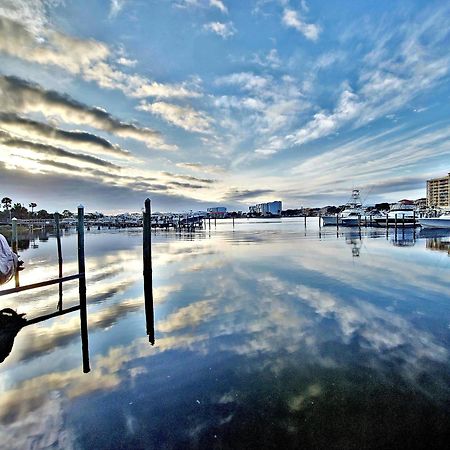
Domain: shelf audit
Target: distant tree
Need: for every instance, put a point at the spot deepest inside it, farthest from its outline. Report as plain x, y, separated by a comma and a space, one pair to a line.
6, 202
66, 213
32, 206
19, 211
42, 214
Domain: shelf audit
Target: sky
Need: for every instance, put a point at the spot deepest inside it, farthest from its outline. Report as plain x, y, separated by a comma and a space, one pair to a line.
199, 103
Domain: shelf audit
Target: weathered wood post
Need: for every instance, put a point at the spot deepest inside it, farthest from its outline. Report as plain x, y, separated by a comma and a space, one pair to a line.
14, 235
15, 247
414, 220
305, 220
233, 221
82, 291
337, 220
396, 223
403, 221
209, 218
359, 222
148, 282
320, 220
60, 260
215, 221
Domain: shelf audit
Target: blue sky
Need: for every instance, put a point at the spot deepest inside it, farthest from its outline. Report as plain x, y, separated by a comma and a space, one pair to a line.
197, 103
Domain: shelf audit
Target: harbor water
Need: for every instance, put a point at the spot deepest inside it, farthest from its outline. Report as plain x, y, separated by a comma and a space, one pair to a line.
269, 334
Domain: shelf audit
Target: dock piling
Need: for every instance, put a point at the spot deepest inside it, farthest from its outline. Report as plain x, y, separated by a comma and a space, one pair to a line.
60, 260
148, 281
82, 291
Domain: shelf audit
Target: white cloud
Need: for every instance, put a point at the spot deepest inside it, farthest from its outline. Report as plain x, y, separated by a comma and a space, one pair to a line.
82, 57
126, 61
115, 7
270, 59
245, 80
323, 123
219, 4
225, 30
182, 116
292, 19
22, 97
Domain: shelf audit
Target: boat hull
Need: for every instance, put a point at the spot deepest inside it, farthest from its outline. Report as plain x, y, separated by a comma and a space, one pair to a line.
407, 222
329, 220
435, 223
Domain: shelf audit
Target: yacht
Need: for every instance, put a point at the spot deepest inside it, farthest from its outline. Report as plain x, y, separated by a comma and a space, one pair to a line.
402, 213
436, 222
350, 216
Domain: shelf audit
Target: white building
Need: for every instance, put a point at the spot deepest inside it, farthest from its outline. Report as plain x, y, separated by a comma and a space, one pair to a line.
267, 209
218, 211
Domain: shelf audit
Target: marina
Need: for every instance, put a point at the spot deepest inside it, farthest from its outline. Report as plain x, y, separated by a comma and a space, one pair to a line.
320, 330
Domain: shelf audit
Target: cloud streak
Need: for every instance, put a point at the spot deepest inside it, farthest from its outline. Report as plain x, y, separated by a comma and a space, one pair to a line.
24, 97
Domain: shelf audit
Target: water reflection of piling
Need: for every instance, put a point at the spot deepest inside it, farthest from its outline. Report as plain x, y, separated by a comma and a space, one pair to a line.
82, 291
60, 260
148, 282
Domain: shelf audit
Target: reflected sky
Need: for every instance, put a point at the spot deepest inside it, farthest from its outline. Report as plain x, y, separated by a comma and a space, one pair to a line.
268, 334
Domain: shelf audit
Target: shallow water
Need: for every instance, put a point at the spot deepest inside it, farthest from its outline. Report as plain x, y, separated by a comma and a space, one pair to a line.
268, 335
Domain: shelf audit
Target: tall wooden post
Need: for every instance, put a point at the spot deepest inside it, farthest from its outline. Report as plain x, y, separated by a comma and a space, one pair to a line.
60, 260
396, 223
148, 282
233, 221
320, 220
305, 220
403, 221
14, 235
414, 220
82, 291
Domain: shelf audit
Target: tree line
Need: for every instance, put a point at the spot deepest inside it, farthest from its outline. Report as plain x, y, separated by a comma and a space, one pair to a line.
20, 211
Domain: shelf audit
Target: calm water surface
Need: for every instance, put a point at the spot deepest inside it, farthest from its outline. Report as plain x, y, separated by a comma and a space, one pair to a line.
268, 335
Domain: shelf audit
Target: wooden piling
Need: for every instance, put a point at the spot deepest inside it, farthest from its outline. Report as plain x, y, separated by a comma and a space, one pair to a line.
60, 260
403, 221
15, 247
148, 282
14, 240
233, 221
305, 220
396, 223
414, 220
82, 291
359, 222
337, 220
320, 220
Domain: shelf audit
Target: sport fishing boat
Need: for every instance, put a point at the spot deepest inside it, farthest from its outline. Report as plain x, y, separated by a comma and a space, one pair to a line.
402, 213
350, 216
442, 221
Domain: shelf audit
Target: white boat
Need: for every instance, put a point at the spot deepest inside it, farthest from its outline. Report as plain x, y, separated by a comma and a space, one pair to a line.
401, 214
436, 222
350, 216
9, 261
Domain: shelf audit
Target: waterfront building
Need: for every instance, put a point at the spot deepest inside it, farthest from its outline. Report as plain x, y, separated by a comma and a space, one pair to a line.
421, 204
219, 211
438, 192
266, 209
